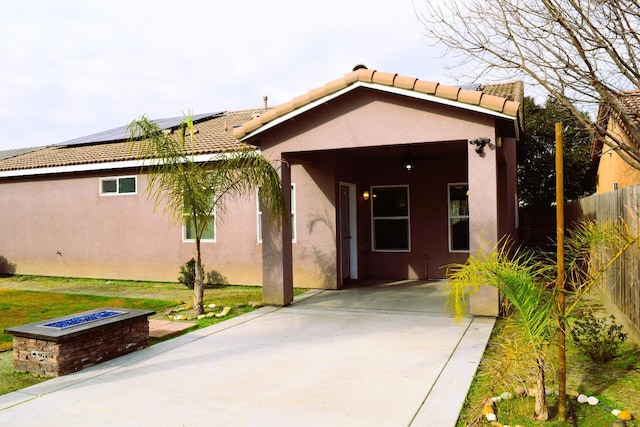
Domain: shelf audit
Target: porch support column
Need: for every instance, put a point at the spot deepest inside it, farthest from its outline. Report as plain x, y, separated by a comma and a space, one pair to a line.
483, 220
277, 265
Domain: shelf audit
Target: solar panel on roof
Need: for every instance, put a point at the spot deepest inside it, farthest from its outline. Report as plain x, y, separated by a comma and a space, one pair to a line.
122, 133
472, 86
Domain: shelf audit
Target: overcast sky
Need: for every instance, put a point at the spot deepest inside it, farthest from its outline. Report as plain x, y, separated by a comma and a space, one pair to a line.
73, 68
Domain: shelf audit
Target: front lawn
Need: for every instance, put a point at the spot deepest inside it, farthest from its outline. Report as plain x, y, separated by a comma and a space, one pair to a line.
505, 366
19, 307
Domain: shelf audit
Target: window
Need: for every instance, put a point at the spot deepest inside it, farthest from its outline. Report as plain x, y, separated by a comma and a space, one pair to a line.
189, 232
390, 218
458, 217
118, 185
293, 214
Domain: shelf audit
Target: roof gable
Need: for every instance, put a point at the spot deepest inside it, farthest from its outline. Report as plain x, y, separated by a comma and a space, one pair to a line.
502, 100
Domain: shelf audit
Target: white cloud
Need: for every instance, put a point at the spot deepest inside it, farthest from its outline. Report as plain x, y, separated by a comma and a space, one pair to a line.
75, 68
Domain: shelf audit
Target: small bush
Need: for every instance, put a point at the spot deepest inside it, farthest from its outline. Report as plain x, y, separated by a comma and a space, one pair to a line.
188, 274
598, 338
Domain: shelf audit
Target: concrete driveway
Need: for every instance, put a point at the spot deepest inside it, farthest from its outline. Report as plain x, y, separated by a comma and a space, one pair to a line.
381, 355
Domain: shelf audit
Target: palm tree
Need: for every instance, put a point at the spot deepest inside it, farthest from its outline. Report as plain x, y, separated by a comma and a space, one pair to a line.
520, 278
526, 279
193, 190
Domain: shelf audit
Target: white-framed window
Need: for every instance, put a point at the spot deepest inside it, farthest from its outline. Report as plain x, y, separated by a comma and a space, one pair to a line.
458, 216
117, 185
293, 214
390, 218
189, 232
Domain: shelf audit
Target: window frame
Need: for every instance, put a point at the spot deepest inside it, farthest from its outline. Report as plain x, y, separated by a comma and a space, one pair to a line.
117, 181
293, 215
451, 217
203, 240
406, 218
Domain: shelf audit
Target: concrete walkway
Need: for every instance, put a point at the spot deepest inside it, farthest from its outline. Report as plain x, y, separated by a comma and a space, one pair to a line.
384, 355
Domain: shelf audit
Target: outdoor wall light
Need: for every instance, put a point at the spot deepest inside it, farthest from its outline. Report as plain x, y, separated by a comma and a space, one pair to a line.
365, 195
480, 144
409, 161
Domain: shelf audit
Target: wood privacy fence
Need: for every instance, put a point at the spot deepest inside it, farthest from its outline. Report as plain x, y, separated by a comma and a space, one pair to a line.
620, 286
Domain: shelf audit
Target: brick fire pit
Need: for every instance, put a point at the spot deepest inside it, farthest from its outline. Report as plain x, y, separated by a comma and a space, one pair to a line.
68, 344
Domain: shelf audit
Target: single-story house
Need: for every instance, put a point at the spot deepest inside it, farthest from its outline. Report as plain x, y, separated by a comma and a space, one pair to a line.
613, 171
387, 177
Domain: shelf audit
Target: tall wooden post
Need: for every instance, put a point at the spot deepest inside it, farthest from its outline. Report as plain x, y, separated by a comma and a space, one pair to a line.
562, 362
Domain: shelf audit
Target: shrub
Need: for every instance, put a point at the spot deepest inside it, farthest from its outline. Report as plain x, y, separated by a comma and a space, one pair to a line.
188, 273
598, 338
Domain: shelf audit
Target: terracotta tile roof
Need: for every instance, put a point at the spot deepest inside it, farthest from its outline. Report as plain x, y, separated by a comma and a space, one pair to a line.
213, 136
629, 101
502, 98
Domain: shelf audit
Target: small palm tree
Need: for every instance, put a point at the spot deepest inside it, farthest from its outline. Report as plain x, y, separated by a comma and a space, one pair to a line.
520, 278
193, 190
527, 282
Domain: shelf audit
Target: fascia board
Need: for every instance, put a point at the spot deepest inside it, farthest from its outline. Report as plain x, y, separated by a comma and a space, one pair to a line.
90, 167
384, 88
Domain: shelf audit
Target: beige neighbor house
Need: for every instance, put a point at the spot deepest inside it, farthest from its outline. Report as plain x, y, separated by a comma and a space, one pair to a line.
613, 172
388, 177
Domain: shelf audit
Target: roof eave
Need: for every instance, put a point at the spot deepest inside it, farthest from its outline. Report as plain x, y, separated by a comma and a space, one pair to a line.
93, 167
384, 88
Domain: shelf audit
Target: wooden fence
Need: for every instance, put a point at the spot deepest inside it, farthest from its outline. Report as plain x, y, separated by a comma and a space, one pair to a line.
620, 286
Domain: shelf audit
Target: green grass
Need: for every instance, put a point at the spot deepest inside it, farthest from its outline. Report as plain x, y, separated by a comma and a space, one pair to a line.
20, 307
616, 384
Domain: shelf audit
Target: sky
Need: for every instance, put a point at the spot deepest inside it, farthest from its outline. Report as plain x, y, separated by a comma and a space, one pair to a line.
73, 68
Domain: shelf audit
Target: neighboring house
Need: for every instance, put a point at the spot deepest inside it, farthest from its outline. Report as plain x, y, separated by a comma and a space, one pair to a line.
613, 172
388, 177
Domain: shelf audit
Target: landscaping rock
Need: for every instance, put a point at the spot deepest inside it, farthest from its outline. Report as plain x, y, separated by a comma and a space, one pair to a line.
593, 401
487, 410
521, 391
619, 423
583, 398
624, 415
210, 314
506, 396
224, 312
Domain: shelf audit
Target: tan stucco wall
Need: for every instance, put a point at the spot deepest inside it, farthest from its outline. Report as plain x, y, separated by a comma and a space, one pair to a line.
612, 169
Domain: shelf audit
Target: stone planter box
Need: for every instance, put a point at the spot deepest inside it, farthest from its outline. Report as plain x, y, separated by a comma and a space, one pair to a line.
68, 344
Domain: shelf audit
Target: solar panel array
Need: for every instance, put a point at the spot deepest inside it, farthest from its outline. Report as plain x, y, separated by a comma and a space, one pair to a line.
122, 133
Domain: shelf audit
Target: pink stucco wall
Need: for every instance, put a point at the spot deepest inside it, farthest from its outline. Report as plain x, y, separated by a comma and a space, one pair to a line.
335, 142
61, 226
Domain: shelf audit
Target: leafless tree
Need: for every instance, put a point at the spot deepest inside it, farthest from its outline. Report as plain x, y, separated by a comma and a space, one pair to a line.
584, 53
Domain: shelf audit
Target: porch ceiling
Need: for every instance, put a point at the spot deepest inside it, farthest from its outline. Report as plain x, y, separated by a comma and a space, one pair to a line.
421, 151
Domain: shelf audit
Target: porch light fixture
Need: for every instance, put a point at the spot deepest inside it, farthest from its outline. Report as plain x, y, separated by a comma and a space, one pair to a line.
409, 161
365, 195
480, 144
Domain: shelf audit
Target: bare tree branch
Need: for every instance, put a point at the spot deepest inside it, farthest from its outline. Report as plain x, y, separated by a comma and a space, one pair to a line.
584, 53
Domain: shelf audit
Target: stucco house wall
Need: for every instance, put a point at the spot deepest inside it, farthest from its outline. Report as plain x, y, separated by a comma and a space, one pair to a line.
62, 226
330, 146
